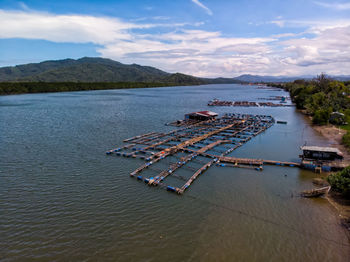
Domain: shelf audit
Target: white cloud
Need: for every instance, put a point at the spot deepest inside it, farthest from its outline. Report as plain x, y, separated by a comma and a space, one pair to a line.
193, 51
316, 26
62, 28
70, 28
196, 52
331, 46
286, 35
336, 6
279, 23
209, 12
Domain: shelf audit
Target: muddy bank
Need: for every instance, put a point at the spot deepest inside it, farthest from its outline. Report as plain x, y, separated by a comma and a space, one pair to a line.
342, 206
334, 136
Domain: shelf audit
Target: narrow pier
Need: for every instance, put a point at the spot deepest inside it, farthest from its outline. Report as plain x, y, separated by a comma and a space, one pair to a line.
195, 175
257, 162
212, 145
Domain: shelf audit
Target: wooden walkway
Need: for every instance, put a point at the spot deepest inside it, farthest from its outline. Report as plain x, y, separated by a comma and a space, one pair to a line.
256, 162
170, 170
195, 175
212, 145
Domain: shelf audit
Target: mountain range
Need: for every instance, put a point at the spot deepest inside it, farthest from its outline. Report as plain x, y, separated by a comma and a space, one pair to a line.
280, 79
95, 69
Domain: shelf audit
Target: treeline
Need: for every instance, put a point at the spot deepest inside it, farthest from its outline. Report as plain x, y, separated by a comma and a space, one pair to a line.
320, 98
8, 88
326, 100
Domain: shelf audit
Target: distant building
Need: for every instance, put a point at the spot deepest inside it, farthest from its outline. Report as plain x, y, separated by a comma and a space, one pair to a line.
321, 153
201, 115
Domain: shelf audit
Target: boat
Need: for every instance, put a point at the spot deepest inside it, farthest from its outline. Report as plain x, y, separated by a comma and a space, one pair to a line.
316, 192
281, 122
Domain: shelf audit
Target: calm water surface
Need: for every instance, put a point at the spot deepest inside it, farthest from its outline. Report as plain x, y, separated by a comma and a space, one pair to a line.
63, 199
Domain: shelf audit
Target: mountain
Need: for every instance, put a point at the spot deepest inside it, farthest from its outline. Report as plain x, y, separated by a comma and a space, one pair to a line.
222, 80
275, 79
86, 69
95, 69
257, 78
91, 69
341, 78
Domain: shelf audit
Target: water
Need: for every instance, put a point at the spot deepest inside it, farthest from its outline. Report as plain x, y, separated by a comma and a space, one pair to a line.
63, 199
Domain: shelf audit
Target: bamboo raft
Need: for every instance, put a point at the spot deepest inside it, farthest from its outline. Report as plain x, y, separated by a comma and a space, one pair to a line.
207, 143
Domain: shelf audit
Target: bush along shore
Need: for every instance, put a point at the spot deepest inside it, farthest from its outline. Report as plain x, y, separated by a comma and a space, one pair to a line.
11, 88
325, 100
340, 195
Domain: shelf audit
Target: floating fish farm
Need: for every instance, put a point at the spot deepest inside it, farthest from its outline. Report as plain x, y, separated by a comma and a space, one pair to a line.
217, 102
174, 160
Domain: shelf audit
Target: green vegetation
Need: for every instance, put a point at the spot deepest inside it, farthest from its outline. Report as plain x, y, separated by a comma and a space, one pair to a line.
8, 88
326, 100
340, 181
320, 97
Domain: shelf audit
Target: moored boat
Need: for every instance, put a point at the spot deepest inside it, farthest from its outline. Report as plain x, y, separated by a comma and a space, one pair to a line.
315, 192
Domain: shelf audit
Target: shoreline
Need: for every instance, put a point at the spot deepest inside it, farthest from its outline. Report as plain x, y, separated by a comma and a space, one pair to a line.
21, 88
334, 135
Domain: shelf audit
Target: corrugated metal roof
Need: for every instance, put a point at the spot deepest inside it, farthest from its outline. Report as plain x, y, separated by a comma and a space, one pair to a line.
322, 149
204, 113
209, 113
337, 113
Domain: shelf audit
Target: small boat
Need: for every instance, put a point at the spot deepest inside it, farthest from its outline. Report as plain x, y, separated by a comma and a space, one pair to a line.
316, 192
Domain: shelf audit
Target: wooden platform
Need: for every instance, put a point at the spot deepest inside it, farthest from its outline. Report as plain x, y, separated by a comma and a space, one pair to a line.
257, 162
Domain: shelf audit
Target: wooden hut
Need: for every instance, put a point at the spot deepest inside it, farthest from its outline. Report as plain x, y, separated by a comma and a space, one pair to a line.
201, 115
321, 153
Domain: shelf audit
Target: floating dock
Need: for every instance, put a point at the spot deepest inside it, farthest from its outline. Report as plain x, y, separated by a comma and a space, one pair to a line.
195, 147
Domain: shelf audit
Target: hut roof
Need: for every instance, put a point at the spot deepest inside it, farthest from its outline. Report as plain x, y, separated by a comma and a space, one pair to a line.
204, 113
322, 149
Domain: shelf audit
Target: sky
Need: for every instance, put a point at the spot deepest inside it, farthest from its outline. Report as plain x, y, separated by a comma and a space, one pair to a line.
205, 38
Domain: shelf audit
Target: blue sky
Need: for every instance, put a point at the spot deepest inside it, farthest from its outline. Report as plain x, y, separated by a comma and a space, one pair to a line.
199, 37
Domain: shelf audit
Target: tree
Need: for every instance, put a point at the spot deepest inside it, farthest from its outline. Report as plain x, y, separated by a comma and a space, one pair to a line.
340, 181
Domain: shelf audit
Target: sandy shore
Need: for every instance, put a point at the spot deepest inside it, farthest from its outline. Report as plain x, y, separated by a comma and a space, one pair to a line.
334, 136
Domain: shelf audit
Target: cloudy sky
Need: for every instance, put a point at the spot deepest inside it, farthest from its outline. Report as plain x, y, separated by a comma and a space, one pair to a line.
208, 38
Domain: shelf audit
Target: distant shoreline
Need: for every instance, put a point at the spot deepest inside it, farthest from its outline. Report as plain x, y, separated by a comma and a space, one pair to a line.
17, 88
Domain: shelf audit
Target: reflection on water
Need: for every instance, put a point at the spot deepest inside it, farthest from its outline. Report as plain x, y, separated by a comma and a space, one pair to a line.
62, 199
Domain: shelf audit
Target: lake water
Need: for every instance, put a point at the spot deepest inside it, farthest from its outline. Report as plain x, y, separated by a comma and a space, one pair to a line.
63, 199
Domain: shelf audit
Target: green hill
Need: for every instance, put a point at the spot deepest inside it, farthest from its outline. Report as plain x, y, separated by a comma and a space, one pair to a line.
81, 70
90, 73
